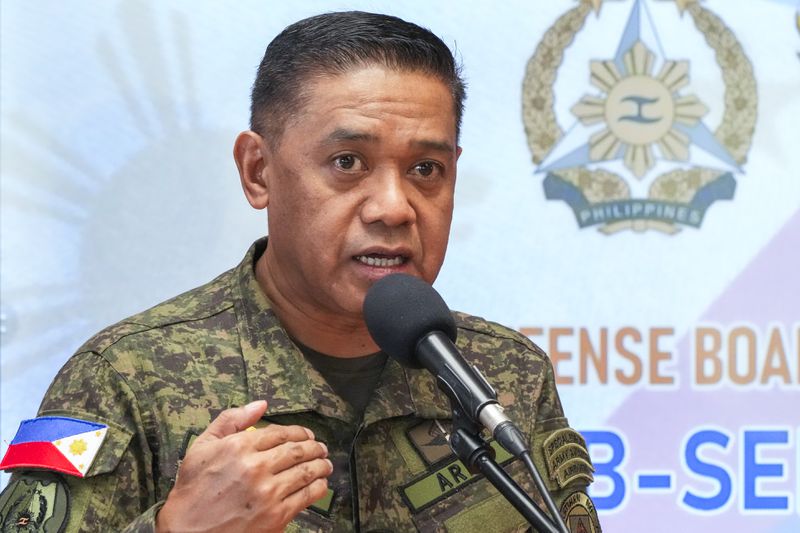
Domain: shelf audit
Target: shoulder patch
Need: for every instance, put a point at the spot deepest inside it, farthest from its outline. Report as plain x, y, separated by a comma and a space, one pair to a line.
580, 514
35, 502
567, 458
66, 445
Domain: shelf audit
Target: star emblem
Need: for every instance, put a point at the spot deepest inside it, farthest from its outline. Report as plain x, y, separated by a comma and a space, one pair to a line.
640, 117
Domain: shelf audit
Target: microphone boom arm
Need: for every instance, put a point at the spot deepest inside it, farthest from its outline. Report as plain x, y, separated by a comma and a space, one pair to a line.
472, 400
478, 456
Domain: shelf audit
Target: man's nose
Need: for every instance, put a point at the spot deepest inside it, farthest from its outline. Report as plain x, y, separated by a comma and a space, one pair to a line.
387, 199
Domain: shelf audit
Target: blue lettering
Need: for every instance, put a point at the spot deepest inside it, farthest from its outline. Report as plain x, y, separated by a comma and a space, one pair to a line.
701, 468
754, 470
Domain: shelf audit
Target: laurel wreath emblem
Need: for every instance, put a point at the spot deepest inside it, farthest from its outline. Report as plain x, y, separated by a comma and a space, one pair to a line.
735, 131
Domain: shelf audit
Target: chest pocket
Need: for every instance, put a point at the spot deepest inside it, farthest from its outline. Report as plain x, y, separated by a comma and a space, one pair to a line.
450, 499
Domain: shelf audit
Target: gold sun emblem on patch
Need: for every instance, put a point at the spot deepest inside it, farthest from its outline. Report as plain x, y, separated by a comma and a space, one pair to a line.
639, 110
77, 447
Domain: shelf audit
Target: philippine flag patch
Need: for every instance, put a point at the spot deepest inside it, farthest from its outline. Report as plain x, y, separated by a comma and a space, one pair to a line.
66, 445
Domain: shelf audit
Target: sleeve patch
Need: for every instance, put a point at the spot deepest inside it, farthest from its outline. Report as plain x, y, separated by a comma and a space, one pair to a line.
35, 502
559, 439
566, 458
580, 514
66, 445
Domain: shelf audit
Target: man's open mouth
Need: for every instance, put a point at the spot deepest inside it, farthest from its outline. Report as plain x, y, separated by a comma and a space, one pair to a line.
381, 260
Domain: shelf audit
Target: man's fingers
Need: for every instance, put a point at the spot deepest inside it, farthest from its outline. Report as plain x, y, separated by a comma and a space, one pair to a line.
234, 420
305, 483
275, 435
289, 454
299, 500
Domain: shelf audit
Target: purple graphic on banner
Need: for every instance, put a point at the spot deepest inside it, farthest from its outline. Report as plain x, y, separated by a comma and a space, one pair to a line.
760, 423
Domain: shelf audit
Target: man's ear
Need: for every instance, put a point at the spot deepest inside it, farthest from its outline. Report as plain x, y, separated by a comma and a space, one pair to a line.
250, 154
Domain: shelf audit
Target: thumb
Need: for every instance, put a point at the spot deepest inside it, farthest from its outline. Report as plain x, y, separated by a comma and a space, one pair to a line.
234, 420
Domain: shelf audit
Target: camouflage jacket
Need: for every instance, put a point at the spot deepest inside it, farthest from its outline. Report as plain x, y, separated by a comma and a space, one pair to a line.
158, 378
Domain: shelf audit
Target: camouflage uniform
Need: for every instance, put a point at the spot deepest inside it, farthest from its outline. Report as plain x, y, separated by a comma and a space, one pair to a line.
157, 379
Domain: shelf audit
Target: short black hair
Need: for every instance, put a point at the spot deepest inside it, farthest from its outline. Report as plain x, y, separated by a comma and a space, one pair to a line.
334, 43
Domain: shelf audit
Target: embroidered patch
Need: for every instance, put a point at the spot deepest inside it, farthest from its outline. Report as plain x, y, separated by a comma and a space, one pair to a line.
560, 438
429, 439
35, 502
571, 471
66, 445
436, 485
566, 458
579, 514
567, 453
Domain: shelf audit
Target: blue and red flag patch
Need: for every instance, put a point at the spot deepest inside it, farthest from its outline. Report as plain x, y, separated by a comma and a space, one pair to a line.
66, 445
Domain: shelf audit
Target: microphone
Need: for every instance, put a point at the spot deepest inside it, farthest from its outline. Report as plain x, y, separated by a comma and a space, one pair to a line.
409, 321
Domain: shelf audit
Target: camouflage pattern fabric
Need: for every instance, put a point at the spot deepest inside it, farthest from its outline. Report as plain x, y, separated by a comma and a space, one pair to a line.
158, 378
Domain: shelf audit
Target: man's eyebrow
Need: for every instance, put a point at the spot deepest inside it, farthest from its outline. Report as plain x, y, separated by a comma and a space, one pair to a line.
439, 146
342, 134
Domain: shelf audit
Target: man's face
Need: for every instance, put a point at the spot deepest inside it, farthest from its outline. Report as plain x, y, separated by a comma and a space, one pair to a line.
360, 186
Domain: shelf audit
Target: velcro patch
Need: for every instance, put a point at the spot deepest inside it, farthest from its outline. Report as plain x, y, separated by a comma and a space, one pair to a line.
579, 514
429, 438
566, 458
438, 484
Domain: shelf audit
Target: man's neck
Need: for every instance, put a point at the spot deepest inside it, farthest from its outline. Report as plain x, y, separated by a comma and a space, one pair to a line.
337, 336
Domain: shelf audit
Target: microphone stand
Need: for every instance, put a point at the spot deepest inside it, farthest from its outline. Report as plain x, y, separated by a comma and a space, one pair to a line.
478, 456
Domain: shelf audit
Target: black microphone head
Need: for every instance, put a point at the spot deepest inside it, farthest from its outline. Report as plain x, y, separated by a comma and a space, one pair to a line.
399, 310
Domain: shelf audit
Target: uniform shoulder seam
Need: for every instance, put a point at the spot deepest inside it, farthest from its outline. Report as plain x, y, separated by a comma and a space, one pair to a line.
482, 326
102, 347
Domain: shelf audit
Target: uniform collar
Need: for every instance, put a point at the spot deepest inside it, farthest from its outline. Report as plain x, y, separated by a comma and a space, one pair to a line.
276, 370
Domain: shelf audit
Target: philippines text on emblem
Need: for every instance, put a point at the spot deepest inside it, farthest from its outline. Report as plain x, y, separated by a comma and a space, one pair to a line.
643, 148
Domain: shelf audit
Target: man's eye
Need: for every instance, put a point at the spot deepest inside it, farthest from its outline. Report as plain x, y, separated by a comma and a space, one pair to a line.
428, 169
347, 162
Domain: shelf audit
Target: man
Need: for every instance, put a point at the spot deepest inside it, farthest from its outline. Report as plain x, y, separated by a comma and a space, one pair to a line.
259, 402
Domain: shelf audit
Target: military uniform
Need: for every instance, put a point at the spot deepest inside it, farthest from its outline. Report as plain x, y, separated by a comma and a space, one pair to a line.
158, 378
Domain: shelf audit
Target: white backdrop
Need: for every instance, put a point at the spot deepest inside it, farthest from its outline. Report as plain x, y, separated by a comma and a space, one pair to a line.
119, 191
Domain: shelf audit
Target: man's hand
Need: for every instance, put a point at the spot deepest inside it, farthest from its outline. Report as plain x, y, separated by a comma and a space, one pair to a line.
240, 480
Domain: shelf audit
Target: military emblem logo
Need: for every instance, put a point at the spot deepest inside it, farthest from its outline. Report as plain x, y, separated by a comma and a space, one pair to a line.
580, 514
643, 149
34, 502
